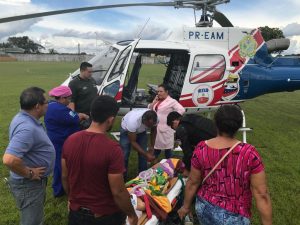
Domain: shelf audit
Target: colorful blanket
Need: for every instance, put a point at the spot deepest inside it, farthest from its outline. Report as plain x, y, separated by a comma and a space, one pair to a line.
154, 191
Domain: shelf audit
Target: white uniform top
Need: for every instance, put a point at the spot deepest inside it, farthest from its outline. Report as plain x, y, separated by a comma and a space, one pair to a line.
132, 121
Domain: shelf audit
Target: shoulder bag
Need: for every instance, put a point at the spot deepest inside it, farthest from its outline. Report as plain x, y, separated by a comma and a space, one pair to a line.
221, 160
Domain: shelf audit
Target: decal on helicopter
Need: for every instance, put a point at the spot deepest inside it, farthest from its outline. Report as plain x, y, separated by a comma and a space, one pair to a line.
241, 53
231, 87
203, 95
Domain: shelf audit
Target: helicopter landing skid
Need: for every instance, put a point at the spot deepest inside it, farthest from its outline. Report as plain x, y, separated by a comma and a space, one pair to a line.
244, 129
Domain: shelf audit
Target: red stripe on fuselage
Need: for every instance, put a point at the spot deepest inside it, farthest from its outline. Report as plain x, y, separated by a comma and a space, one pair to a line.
233, 49
258, 38
186, 95
118, 96
187, 103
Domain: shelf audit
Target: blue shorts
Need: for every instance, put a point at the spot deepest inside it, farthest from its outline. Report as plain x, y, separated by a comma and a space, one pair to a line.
209, 214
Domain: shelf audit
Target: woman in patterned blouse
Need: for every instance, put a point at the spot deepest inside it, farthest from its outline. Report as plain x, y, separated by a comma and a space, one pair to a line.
226, 195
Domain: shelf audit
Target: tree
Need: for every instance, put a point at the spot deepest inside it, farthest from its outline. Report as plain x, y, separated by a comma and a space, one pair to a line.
24, 42
52, 51
269, 33
4, 45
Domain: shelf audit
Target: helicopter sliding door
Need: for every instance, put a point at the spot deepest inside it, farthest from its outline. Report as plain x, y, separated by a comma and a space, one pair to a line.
114, 79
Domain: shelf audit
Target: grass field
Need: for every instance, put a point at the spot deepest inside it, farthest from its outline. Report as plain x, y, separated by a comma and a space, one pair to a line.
274, 118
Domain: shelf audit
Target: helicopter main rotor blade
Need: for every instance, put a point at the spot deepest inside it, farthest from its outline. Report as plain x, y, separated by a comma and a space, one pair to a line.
57, 12
222, 19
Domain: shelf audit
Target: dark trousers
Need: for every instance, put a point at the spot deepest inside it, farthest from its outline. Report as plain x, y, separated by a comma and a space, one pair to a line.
83, 218
168, 153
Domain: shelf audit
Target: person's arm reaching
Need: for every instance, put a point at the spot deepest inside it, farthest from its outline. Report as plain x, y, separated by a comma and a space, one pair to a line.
261, 195
83, 116
185, 145
72, 86
121, 196
71, 106
132, 138
152, 139
191, 188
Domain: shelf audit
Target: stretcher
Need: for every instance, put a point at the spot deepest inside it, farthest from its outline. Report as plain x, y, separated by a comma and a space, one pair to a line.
154, 193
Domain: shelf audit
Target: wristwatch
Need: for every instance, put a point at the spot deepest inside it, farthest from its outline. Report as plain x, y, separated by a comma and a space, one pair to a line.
30, 174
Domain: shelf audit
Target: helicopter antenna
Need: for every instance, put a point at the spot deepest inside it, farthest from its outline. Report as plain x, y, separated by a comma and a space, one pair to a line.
139, 35
195, 18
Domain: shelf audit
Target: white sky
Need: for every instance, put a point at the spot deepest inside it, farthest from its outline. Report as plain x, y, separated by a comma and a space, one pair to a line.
64, 32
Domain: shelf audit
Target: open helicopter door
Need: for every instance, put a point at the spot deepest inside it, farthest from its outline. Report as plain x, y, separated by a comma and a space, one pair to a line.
151, 65
114, 80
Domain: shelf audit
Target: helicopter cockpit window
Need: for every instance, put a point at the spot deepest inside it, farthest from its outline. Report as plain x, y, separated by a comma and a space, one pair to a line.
120, 64
112, 89
207, 68
102, 63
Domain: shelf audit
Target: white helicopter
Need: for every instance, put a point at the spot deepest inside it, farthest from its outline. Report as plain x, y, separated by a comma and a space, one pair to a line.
205, 66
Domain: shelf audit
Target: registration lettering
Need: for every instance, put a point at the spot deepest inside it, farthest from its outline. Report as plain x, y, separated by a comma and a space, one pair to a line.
206, 35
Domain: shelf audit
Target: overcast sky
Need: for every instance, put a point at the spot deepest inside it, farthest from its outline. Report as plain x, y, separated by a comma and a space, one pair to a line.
64, 32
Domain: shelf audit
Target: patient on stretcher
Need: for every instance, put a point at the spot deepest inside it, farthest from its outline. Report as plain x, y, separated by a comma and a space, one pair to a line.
154, 191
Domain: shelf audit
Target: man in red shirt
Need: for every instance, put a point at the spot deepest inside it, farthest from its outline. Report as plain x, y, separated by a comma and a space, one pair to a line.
92, 172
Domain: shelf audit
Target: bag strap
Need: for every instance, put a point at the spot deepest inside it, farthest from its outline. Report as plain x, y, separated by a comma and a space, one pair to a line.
220, 161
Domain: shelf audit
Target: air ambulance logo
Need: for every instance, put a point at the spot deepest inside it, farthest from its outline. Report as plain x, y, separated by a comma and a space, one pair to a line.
231, 87
247, 46
203, 95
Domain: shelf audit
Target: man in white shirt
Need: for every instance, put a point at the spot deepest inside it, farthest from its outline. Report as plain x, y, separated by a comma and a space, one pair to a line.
133, 133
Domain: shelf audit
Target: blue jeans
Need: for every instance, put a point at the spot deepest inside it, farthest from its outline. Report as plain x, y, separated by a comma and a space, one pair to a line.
168, 153
141, 139
30, 197
209, 214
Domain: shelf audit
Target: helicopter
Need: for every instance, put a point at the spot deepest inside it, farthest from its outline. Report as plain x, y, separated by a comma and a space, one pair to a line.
205, 66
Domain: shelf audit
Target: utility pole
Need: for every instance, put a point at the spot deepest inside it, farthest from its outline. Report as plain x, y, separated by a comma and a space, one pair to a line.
96, 38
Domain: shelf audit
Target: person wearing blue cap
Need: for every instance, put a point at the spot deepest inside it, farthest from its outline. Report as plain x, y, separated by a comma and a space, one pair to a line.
60, 122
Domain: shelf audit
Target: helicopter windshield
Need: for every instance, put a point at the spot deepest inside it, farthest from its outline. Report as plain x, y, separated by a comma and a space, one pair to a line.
102, 62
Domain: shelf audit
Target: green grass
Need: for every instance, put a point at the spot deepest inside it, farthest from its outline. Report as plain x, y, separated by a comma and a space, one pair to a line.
274, 118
